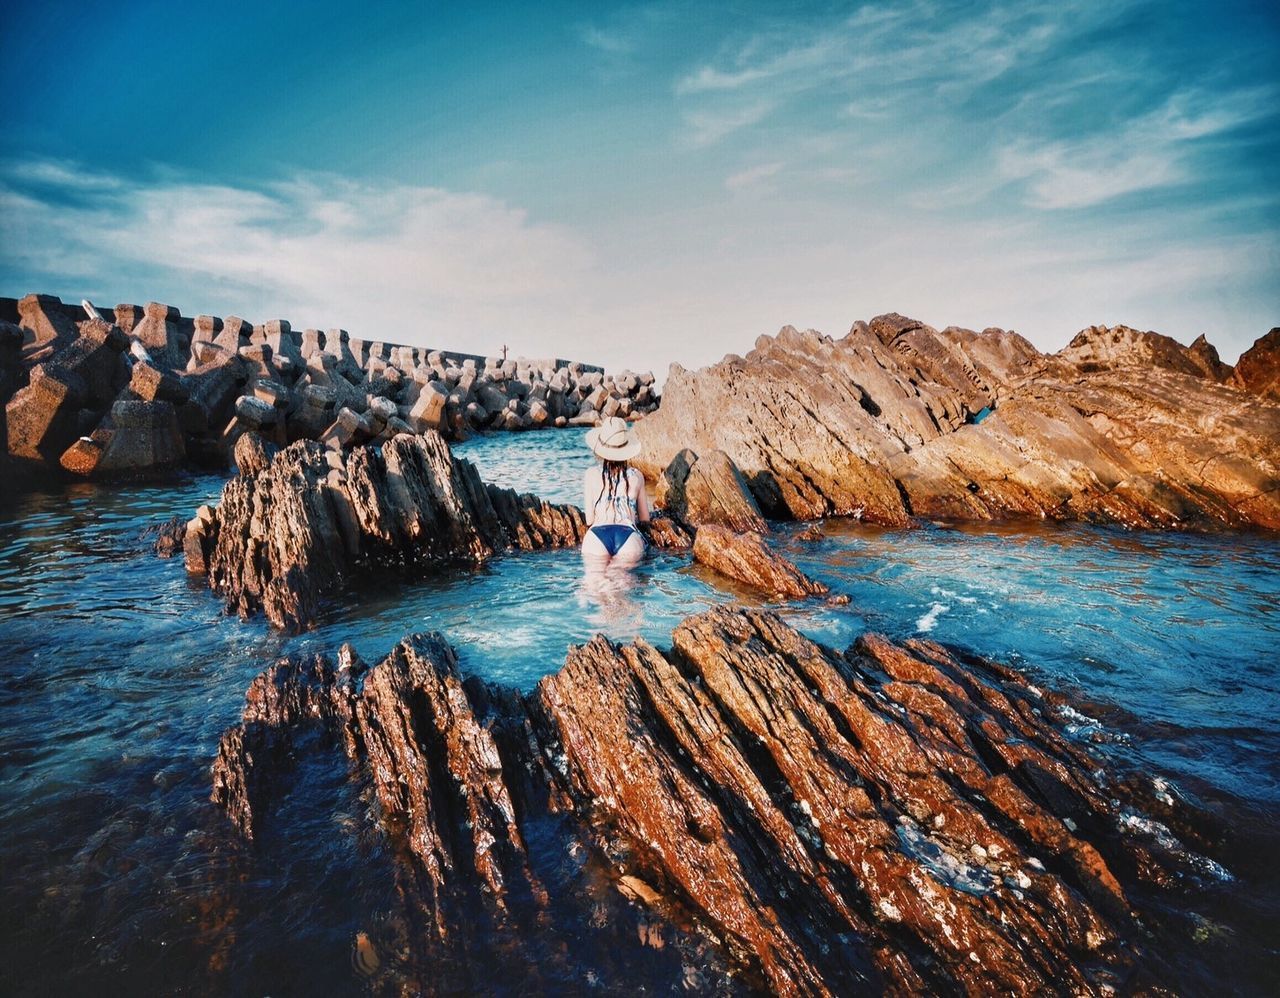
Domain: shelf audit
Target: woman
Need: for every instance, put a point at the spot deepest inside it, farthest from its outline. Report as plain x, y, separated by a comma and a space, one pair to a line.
614, 499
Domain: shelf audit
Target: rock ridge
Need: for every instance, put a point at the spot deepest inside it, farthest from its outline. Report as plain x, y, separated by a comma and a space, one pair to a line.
293, 528
891, 818
897, 420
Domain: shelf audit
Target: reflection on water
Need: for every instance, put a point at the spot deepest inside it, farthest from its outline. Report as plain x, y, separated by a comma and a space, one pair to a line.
119, 675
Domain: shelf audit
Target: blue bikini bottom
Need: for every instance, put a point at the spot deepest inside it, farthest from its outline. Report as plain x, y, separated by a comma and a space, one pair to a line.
613, 536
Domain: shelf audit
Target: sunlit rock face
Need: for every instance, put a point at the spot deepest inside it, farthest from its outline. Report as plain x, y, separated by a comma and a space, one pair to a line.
889, 819
897, 420
291, 529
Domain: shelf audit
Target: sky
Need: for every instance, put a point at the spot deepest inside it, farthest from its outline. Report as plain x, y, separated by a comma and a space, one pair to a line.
639, 184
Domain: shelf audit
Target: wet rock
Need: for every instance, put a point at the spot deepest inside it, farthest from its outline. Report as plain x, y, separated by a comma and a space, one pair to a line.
884, 425
1258, 369
746, 557
666, 534
708, 489
291, 531
887, 820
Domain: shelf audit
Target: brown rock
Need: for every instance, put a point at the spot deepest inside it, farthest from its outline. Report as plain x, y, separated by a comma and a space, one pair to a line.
1119, 427
708, 489
1099, 348
287, 534
888, 820
747, 558
1258, 369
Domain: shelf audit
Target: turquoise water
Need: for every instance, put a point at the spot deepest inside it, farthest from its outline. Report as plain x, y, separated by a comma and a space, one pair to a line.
120, 675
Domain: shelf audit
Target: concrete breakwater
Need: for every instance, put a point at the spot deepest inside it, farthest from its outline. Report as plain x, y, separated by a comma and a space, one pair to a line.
101, 392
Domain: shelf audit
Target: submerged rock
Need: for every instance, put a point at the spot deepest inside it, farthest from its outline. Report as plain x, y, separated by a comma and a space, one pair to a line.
746, 557
889, 820
897, 420
293, 527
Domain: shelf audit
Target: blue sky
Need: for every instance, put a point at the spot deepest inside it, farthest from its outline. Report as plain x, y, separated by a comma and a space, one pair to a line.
639, 184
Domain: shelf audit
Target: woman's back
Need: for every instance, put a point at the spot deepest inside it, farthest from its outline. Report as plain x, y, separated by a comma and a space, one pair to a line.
617, 490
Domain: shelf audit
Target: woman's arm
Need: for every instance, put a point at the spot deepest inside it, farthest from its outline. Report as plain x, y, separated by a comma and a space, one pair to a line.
588, 499
642, 499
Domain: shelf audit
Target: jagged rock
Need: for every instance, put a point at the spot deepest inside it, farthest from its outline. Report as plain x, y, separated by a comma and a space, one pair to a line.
747, 558
883, 425
1205, 355
1099, 348
252, 454
888, 820
289, 533
1258, 369
666, 534
708, 489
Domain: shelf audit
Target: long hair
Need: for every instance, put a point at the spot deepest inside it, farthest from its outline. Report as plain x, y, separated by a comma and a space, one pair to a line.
615, 474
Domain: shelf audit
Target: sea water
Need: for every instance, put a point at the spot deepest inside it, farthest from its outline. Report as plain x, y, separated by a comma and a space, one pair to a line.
119, 674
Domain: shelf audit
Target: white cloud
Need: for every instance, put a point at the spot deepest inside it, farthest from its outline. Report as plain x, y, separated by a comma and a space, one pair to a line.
710, 125
420, 264
1145, 153
752, 176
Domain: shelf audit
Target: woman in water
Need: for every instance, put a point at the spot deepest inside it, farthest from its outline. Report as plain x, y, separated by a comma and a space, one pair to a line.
614, 499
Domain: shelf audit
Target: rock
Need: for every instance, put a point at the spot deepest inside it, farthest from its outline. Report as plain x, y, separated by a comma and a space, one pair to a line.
169, 537
1099, 348
46, 327
746, 557
273, 393
144, 436
1205, 356
1258, 369
149, 383
709, 489
255, 412
158, 333
285, 535
666, 534
252, 454
810, 814
43, 418
882, 425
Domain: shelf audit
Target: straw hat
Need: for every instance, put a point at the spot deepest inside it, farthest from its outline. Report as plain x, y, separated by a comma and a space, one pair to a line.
612, 441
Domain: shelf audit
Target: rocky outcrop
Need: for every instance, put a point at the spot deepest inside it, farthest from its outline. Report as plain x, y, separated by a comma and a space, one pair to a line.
209, 381
708, 489
1258, 369
293, 528
890, 819
745, 557
897, 420
1100, 348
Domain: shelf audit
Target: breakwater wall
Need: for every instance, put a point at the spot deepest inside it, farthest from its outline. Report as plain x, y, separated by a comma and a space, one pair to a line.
99, 391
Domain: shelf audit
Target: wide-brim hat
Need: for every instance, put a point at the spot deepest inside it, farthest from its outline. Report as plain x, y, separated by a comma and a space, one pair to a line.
612, 441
